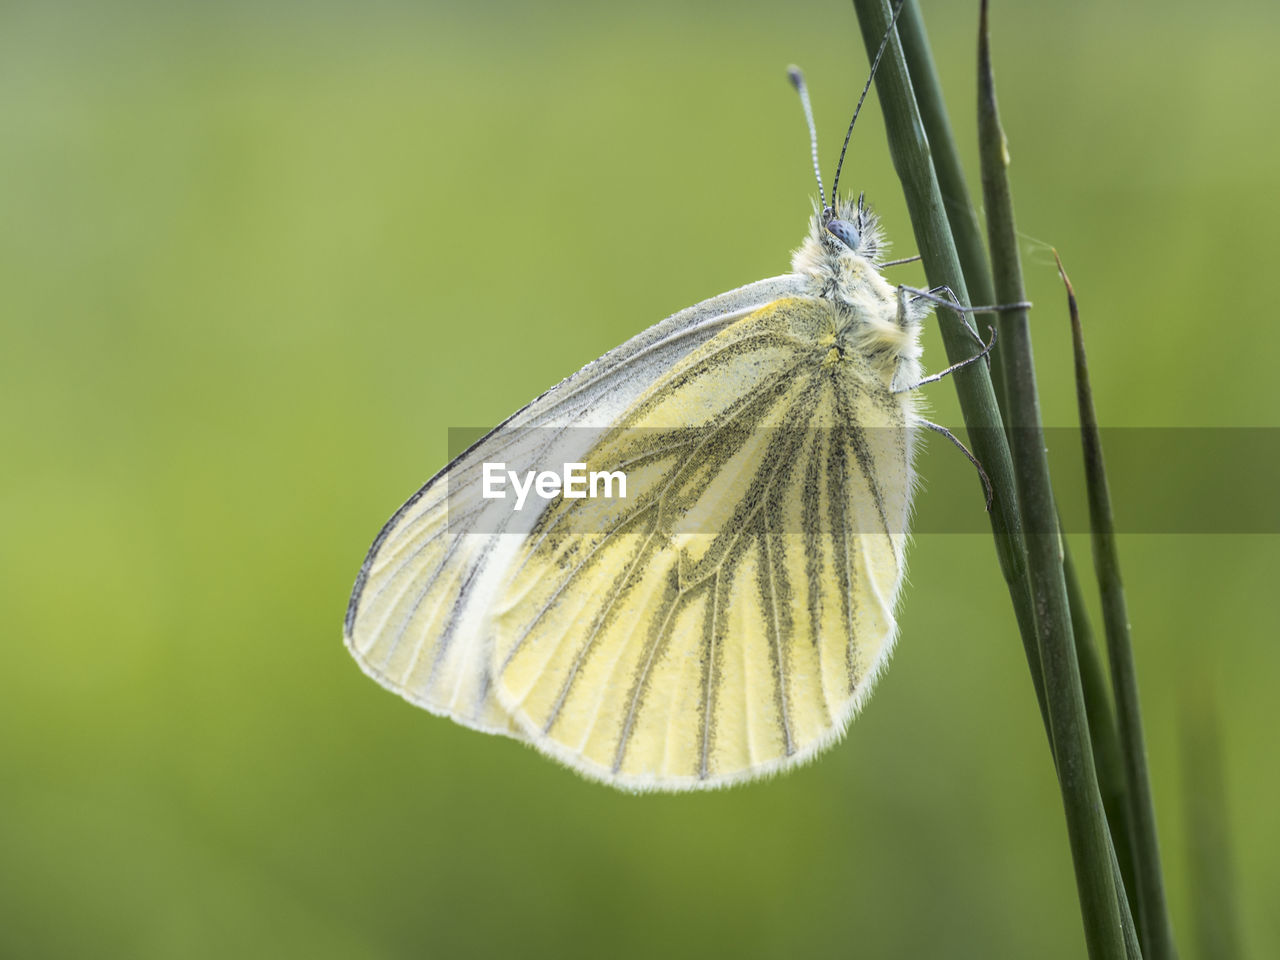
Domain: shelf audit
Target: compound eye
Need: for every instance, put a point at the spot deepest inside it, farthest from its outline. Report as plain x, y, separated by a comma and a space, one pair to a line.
845, 232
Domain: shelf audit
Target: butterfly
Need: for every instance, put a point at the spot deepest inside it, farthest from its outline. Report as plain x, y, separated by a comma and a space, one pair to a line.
729, 616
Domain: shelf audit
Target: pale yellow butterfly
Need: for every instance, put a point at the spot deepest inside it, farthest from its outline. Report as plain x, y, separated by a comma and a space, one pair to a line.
724, 622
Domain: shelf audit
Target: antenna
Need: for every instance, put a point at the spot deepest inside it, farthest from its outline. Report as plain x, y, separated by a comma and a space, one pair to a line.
874, 63
796, 76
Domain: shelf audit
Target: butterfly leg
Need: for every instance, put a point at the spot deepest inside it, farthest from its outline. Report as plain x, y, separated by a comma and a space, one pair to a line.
986, 349
955, 304
903, 290
932, 294
938, 428
898, 263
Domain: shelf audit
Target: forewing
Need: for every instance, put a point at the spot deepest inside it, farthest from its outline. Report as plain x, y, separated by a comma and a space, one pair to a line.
729, 619
419, 619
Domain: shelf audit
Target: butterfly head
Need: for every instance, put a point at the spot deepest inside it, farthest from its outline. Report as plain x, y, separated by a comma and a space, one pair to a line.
844, 243
849, 228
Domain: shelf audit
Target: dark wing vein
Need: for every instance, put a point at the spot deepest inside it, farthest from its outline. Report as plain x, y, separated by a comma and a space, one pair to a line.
773, 625
813, 537
654, 644
837, 495
710, 678
615, 592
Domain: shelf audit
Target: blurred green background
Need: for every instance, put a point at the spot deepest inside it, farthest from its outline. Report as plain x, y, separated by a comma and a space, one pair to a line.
255, 259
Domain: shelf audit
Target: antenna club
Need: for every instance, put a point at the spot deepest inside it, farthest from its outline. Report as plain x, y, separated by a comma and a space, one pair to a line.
796, 77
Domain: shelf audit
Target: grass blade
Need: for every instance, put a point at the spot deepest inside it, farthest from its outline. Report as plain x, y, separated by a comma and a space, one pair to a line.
1102, 731
972, 255
1153, 912
909, 148
950, 172
1086, 824
970, 252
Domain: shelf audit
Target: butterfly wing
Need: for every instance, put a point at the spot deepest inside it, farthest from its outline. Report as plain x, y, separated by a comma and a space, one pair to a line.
419, 617
727, 620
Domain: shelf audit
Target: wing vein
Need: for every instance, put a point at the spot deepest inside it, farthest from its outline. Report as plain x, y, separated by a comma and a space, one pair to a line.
653, 643
551, 601
813, 539
779, 666
840, 523
615, 591
711, 679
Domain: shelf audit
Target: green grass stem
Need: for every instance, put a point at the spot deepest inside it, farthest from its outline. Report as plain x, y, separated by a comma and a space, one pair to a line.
972, 254
909, 148
1152, 907
1102, 730
1087, 827
932, 221
965, 229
